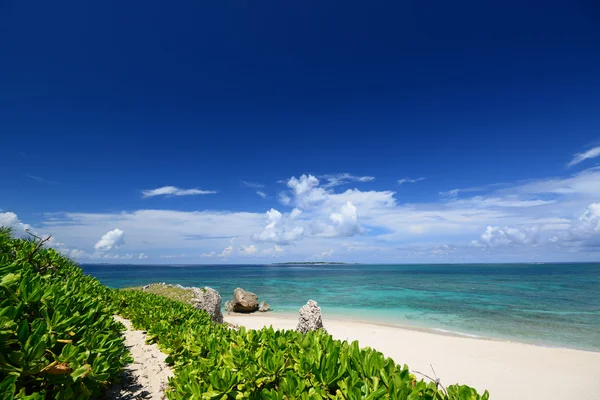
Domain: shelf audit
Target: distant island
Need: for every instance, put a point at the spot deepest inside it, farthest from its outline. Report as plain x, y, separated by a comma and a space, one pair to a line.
312, 263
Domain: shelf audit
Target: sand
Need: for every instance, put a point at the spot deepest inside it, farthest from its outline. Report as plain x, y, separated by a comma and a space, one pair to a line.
148, 376
508, 370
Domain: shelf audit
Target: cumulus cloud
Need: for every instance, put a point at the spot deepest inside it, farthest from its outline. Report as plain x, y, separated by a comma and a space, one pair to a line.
584, 231
409, 180
295, 213
227, 251
344, 178
278, 229
321, 216
142, 256
175, 191
261, 194
495, 236
342, 224
306, 191
249, 250
111, 240
9, 219
580, 157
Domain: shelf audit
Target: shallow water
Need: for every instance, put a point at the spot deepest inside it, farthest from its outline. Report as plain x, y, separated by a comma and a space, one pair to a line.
546, 304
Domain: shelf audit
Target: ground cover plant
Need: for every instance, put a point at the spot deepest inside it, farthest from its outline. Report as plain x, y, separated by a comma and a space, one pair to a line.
58, 338
214, 362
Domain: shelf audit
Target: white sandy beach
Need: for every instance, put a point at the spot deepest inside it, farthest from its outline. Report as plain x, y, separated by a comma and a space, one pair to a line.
508, 370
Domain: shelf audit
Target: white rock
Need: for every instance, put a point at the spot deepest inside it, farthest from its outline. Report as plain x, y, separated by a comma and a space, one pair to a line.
310, 318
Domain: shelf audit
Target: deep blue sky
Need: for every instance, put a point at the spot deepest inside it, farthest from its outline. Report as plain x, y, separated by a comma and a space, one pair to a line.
105, 99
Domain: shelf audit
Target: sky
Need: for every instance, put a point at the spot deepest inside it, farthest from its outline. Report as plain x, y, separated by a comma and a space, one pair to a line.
256, 132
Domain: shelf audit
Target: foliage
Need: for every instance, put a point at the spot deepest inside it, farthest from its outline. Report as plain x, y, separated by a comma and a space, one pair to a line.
172, 292
58, 340
57, 335
214, 362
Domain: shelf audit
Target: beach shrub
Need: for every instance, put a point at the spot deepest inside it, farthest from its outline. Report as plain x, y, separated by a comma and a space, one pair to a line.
58, 338
212, 361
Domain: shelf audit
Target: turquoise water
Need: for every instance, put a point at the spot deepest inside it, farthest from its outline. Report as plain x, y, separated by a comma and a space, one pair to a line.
545, 304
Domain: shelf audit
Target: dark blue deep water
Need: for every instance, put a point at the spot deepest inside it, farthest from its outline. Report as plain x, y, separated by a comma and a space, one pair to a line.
546, 304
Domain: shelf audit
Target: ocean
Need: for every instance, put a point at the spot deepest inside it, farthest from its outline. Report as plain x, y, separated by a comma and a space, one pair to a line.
554, 305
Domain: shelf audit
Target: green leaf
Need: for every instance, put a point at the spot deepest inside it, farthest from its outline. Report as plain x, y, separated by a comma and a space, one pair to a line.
9, 280
23, 331
81, 372
37, 351
8, 387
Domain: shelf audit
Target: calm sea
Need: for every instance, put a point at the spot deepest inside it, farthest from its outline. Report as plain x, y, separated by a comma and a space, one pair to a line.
545, 304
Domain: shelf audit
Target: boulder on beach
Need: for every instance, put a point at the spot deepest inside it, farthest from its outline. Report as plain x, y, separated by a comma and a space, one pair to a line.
264, 307
244, 302
310, 318
229, 306
209, 300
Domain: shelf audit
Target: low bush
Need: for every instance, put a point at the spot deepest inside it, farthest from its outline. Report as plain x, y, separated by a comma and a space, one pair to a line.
58, 338
214, 362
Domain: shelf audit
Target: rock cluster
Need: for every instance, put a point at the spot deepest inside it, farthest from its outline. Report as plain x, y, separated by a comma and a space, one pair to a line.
310, 318
245, 302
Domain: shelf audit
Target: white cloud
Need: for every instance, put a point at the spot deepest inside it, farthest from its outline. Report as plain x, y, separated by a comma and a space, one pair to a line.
111, 240
443, 249
583, 231
507, 201
278, 229
523, 218
76, 254
175, 191
252, 185
249, 250
227, 251
409, 180
343, 223
81, 255
580, 157
295, 213
495, 236
261, 194
272, 252
344, 178
142, 256
9, 219
306, 191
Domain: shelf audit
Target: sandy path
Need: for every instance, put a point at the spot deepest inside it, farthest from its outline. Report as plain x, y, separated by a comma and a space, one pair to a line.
148, 375
510, 371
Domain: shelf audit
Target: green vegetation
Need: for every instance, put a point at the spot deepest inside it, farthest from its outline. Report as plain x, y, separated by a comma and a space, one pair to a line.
214, 362
58, 338
169, 291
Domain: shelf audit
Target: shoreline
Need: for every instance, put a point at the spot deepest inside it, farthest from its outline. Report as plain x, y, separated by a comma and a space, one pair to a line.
508, 370
285, 315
